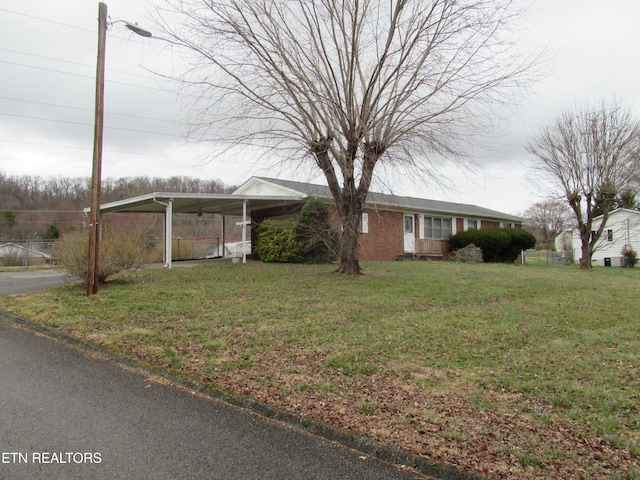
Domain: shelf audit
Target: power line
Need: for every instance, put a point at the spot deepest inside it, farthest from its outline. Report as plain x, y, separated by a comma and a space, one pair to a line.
46, 20
87, 124
85, 65
73, 147
82, 76
83, 109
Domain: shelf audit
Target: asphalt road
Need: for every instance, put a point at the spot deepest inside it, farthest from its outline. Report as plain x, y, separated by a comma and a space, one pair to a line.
66, 413
29, 280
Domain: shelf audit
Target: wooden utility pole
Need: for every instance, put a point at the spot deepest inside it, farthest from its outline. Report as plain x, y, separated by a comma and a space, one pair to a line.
94, 236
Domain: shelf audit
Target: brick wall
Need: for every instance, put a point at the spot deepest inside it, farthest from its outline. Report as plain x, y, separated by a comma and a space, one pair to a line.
385, 237
484, 224
385, 240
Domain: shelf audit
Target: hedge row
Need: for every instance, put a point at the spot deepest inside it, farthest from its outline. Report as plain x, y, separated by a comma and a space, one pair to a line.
497, 244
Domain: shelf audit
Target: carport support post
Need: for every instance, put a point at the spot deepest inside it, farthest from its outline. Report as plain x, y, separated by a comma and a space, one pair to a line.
244, 224
244, 231
168, 220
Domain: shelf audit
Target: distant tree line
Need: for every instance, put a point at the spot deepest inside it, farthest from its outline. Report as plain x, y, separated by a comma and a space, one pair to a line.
42, 207
34, 192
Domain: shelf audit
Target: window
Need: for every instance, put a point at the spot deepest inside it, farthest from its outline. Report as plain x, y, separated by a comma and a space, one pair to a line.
364, 224
610, 235
408, 223
472, 224
438, 228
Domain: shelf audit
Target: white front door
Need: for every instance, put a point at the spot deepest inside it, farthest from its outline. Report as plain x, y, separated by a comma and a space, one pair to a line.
409, 234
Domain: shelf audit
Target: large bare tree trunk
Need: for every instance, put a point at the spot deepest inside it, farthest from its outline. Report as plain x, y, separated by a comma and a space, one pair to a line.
347, 81
350, 198
587, 252
350, 240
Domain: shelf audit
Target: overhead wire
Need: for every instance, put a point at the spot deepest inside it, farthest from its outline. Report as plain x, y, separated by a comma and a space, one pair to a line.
79, 75
91, 77
82, 109
48, 20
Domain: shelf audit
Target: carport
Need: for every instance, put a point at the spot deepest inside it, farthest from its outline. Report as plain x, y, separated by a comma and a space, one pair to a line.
170, 203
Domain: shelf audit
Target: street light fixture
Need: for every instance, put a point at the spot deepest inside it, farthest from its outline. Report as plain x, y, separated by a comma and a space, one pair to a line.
94, 235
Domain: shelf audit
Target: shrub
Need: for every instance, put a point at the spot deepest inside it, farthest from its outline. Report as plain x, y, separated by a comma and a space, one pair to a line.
497, 244
13, 257
278, 241
309, 239
468, 254
630, 256
520, 240
492, 242
319, 242
118, 252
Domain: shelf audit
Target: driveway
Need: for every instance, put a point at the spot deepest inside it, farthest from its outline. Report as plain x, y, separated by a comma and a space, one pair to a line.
68, 413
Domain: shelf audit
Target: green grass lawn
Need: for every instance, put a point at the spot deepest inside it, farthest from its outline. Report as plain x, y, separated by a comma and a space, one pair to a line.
509, 371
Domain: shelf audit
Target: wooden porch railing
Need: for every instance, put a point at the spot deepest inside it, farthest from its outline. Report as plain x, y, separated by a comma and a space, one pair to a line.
430, 246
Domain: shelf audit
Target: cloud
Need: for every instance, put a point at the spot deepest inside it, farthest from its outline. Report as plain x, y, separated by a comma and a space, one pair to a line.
47, 100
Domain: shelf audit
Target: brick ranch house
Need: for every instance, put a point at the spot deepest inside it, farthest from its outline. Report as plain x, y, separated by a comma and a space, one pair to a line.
393, 226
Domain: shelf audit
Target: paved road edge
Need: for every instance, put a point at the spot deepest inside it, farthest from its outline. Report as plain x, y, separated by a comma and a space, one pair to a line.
356, 442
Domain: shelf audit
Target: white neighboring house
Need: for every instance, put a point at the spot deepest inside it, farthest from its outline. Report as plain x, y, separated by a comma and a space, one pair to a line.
621, 230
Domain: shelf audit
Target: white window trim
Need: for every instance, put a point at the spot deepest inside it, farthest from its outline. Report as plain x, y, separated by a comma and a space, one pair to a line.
364, 223
421, 223
466, 223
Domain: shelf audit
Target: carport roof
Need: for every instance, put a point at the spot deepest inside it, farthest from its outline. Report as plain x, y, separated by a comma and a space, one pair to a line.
228, 204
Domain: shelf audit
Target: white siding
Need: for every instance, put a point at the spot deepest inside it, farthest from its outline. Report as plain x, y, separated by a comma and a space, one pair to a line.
625, 230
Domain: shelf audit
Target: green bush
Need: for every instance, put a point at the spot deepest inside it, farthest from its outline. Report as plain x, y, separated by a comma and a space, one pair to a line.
492, 242
630, 256
309, 239
497, 244
520, 240
118, 252
319, 241
278, 241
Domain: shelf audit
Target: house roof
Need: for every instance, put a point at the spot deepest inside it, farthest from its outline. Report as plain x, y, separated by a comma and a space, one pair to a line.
282, 192
394, 202
196, 203
618, 211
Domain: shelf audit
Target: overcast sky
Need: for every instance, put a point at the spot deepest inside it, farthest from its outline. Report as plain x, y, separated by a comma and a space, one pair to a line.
48, 57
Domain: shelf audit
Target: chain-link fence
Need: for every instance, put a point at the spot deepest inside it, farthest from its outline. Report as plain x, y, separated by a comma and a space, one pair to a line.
26, 253
548, 258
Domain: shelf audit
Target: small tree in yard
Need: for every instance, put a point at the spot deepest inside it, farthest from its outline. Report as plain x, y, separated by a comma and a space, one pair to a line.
630, 256
546, 220
591, 156
348, 84
118, 252
308, 239
318, 238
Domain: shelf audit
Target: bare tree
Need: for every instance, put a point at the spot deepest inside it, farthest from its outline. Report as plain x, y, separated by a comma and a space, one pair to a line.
590, 155
349, 83
547, 219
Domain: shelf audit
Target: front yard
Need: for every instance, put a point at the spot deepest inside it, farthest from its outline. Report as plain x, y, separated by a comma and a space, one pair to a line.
506, 371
